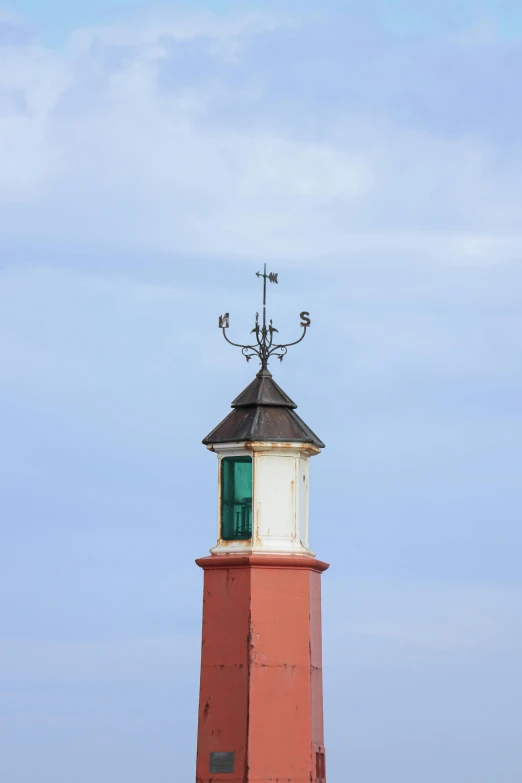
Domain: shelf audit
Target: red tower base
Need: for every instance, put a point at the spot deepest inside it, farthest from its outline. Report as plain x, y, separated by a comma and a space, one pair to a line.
261, 693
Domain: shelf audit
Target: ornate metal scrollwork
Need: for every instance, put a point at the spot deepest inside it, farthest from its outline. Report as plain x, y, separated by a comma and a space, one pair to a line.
265, 346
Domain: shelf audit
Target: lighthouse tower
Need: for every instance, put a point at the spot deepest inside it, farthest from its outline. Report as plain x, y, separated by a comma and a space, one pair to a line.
261, 702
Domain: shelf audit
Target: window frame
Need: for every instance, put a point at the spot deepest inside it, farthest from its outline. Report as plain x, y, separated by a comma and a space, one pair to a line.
229, 524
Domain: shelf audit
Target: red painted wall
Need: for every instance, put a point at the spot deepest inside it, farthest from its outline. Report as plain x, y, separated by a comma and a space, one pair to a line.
261, 671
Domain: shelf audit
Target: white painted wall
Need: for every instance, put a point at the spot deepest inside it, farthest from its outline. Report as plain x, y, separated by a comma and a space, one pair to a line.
279, 499
303, 481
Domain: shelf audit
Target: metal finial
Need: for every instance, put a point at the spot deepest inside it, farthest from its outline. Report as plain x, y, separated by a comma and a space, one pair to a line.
264, 347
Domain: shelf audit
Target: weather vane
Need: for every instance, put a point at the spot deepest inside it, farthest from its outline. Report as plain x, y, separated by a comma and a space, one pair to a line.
264, 347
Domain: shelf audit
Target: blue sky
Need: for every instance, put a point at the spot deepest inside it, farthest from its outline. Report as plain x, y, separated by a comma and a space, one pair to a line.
152, 158
55, 19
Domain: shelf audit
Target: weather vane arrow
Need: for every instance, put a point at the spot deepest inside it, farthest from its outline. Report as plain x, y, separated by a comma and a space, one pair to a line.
264, 347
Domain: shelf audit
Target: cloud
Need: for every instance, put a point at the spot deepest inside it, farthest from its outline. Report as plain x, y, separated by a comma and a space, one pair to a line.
258, 134
163, 26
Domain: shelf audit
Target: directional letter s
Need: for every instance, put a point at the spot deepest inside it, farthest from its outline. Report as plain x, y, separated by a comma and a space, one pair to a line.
305, 321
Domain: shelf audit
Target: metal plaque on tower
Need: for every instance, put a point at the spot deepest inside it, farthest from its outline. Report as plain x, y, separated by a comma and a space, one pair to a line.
221, 762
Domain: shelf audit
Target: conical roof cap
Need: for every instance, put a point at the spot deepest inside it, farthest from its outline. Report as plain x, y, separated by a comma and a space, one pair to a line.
263, 412
263, 391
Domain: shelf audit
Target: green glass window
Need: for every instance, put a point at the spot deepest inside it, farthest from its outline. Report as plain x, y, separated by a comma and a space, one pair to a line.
236, 498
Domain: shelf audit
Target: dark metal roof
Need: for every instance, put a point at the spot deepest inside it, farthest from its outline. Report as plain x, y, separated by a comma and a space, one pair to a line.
263, 391
263, 412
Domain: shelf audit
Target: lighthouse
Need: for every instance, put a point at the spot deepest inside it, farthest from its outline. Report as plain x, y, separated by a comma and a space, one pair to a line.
261, 696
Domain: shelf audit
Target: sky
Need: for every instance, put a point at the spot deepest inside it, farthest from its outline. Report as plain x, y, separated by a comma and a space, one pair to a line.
152, 158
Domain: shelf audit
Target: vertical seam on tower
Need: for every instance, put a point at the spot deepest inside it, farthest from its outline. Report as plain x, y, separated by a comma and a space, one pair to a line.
250, 637
310, 678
